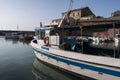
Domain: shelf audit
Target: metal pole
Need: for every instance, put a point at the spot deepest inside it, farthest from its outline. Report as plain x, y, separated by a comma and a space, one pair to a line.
119, 47
114, 38
71, 5
82, 39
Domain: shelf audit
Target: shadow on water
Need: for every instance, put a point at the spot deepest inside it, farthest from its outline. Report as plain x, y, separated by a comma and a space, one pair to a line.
43, 71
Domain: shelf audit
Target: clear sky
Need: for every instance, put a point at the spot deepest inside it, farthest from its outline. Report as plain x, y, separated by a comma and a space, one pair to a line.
28, 13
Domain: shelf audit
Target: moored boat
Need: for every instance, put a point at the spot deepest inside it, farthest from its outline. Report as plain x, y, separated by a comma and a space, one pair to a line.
70, 52
96, 67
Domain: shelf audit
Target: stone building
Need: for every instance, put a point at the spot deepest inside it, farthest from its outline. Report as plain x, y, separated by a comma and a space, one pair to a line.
81, 14
55, 22
116, 13
76, 14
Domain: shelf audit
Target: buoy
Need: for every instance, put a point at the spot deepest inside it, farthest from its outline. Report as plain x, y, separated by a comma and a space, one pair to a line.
46, 40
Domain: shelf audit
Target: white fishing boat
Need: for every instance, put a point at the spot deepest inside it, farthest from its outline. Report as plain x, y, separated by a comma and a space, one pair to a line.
54, 47
96, 67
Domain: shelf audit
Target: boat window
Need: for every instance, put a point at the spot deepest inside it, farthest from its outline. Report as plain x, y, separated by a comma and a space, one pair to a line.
40, 34
54, 32
36, 33
118, 36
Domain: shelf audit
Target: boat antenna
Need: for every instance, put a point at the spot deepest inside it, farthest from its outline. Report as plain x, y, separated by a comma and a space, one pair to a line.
70, 6
17, 27
40, 24
68, 13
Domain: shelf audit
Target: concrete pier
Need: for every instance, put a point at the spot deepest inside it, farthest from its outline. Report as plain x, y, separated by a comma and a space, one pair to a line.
21, 34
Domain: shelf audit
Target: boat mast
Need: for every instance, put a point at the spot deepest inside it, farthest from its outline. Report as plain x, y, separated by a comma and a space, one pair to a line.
66, 16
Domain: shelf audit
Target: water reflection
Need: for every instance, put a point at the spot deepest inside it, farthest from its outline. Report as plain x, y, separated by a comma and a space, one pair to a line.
25, 41
43, 71
15, 41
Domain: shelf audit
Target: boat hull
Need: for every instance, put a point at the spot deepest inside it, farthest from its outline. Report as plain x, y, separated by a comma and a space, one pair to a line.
56, 72
75, 66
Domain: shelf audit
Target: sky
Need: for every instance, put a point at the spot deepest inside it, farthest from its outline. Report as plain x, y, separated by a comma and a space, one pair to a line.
27, 14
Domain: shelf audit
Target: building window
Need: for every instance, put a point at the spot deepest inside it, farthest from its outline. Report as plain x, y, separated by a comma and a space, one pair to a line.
56, 21
73, 14
78, 13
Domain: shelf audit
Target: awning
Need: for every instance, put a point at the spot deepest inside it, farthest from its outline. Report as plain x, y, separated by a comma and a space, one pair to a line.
43, 28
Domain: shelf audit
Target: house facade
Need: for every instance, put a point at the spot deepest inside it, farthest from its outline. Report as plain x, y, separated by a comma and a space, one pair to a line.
81, 14
77, 14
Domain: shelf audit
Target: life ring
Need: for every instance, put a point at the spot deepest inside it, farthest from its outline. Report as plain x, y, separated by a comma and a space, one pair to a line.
46, 40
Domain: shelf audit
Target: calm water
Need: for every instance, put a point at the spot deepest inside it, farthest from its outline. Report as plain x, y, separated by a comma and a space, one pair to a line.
18, 62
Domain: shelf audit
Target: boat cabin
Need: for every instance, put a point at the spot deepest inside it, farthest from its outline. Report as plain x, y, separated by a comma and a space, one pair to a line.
48, 35
62, 38
72, 39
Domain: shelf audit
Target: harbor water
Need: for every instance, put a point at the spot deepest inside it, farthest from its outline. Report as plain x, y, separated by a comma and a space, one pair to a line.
18, 62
